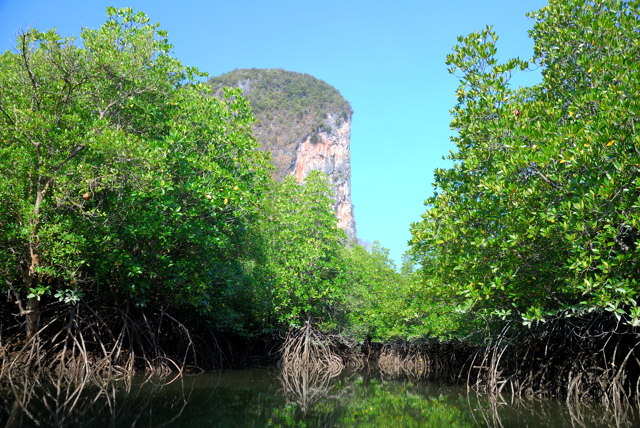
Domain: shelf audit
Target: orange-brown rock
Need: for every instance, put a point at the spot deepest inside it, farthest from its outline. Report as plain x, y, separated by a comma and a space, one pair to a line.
305, 124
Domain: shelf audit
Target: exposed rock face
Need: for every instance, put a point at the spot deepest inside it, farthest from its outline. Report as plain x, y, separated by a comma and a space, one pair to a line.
305, 124
328, 151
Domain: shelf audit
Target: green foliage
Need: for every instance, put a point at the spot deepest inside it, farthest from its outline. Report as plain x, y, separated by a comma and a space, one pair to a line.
539, 214
382, 304
378, 403
378, 304
116, 172
374, 402
120, 177
296, 270
279, 92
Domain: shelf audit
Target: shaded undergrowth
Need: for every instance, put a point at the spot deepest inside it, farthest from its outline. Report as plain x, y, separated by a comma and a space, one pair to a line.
592, 358
108, 340
583, 361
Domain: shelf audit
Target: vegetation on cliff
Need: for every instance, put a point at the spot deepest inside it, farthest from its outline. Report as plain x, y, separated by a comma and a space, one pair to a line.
286, 94
288, 107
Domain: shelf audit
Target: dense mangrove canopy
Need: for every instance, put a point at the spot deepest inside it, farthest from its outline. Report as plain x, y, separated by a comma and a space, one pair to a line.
118, 175
539, 215
126, 186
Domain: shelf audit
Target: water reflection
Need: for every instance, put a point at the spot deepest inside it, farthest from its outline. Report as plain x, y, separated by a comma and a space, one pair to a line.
261, 398
305, 387
363, 400
91, 402
508, 411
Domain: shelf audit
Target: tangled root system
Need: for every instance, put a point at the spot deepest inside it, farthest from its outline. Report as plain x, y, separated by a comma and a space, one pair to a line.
307, 349
594, 357
98, 339
589, 358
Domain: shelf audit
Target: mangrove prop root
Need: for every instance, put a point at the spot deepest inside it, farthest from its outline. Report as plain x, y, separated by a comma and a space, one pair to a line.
306, 386
98, 339
48, 399
311, 360
429, 359
594, 357
306, 349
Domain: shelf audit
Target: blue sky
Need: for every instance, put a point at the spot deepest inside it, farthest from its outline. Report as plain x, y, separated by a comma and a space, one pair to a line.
385, 57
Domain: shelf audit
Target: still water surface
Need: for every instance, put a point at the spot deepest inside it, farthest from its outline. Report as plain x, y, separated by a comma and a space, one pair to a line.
264, 398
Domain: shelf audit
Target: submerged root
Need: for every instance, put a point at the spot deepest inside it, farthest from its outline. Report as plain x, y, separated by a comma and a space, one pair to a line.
578, 359
305, 386
403, 359
590, 358
49, 399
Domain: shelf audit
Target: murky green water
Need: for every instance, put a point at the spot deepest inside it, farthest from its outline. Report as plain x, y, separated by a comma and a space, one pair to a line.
264, 398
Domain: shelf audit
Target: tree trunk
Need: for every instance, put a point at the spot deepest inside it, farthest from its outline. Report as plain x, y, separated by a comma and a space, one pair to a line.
32, 317
32, 312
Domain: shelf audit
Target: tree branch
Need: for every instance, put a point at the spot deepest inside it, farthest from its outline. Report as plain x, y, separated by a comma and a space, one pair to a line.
34, 83
550, 182
16, 296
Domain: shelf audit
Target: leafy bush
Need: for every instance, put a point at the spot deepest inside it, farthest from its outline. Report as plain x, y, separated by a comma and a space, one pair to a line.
539, 214
117, 174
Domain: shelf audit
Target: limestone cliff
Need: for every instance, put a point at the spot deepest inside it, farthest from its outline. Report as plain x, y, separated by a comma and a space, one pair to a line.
305, 124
